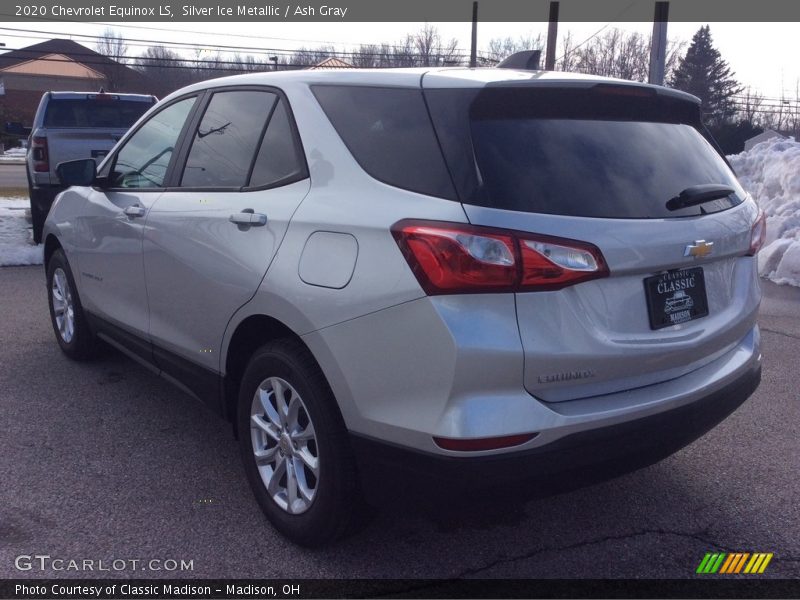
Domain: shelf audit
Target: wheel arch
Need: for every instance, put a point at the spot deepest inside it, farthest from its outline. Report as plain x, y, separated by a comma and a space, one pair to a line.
51, 244
249, 335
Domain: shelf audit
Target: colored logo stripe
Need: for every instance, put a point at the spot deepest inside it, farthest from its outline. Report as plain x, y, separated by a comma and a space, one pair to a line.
758, 563
734, 562
711, 562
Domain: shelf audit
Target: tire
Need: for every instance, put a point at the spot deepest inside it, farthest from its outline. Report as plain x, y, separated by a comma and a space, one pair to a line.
325, 503
37, 218
66, 312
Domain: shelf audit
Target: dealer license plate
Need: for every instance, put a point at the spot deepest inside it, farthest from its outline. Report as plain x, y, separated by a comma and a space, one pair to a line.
676, 297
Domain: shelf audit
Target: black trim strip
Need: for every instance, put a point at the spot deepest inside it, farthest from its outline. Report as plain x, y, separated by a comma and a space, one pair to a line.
202, 383
199, 382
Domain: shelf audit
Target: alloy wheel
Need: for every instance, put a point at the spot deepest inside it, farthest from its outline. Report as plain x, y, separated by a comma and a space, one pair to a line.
63, 307
284, 445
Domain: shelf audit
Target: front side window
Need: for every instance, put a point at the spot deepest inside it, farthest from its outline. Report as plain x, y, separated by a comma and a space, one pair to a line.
225, 142
142, 162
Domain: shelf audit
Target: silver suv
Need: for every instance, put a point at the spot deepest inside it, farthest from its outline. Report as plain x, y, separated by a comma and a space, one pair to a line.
72, 125
453, 278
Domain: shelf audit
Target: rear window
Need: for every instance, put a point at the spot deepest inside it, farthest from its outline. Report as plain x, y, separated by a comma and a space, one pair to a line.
91, 112
389, 133
587, 153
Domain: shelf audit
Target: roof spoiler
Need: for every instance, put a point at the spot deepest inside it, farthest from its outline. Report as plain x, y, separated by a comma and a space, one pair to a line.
527, 60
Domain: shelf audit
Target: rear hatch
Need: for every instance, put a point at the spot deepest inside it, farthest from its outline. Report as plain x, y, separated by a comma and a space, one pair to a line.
88, 126
598, 163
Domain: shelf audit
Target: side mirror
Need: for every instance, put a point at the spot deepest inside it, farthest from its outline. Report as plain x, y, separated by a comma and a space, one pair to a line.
77, 172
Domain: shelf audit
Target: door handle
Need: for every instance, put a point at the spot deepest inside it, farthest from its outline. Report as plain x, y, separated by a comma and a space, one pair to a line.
135, 211
249, 218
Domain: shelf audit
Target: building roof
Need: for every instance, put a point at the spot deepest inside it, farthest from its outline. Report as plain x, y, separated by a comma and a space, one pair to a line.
53, 64
332, 63
74, 52
761, 137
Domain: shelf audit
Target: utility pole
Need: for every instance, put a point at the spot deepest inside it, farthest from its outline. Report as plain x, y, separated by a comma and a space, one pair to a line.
552, 38
473, 53
658, 45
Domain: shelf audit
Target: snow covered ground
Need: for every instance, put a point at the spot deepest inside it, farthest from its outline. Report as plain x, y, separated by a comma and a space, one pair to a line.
16, 241
13, 155
770, 171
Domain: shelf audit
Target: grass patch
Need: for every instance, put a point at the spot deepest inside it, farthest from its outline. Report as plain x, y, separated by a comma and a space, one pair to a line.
10, 192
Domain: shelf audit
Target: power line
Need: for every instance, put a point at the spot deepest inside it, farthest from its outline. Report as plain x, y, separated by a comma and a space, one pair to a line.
195, 46
180, 63
235, 35
599, 31
242, 35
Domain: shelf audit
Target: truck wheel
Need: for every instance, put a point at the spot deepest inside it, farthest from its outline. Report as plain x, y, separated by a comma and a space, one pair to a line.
37, 218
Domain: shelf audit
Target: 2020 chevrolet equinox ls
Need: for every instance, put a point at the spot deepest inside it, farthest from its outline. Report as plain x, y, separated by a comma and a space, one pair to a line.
473, 275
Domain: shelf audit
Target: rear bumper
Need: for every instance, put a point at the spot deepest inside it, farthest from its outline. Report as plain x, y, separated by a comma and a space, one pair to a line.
572, 461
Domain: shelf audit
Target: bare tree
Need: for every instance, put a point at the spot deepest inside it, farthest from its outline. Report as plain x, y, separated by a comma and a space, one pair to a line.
430, 50
750, 104
307, 57
250, 64
113, 46
616, 53
500, 48
569, 58
165, 68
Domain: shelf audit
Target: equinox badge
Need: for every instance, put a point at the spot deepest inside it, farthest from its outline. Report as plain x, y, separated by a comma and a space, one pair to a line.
699, 249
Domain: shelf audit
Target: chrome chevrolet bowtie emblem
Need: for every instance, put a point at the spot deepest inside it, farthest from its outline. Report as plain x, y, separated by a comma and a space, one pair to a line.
699, 249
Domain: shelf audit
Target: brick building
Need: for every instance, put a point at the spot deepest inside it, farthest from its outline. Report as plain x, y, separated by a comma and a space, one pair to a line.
61, 65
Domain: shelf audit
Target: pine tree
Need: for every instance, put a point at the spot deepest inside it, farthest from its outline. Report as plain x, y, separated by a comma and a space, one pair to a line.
705, 74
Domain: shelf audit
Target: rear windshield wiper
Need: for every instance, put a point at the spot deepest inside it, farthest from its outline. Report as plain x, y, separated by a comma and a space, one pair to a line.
697, 194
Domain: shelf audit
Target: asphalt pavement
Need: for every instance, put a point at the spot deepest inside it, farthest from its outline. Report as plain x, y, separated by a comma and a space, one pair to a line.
12, 175
105, 461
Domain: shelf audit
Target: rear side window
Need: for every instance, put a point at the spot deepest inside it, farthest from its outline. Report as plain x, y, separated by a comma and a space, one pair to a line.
388, 131
577, 152
98, 112
279, 159
225, 142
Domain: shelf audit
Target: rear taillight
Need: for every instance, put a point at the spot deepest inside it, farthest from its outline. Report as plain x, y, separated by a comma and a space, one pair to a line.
758, 234
453, 258
41, 160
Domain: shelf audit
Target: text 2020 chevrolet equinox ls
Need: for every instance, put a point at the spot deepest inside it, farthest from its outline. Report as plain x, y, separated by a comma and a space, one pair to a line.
468, 274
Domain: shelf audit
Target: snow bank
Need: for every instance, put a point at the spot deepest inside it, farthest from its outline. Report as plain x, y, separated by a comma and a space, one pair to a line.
16, 242
770, 171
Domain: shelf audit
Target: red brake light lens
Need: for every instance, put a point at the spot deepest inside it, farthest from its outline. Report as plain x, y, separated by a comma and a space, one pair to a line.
453, 258
41, 160
758, 234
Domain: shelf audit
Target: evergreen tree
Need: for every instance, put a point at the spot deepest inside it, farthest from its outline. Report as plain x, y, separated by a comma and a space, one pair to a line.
705, 74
